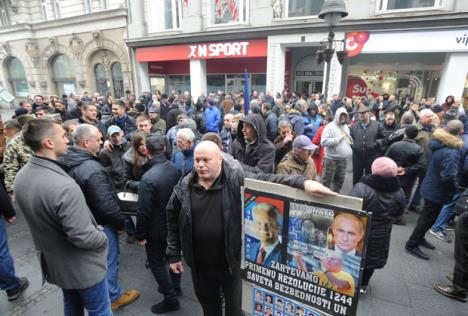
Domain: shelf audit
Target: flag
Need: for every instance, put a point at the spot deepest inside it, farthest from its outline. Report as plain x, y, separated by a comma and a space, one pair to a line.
246, 92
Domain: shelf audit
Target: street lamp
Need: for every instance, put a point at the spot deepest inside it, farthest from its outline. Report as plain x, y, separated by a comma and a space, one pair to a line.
332, 12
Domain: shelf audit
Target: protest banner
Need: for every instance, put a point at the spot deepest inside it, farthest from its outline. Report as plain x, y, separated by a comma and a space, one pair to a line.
301, 255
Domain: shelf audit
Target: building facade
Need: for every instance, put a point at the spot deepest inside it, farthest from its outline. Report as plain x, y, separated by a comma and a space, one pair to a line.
56, 47
411, 48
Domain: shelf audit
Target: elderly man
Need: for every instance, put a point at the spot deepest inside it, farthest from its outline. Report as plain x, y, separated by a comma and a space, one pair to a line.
299, 161
207, 203
183, 158
283, 143
72, 246
267, 228
101, 197
439, 184
226, 133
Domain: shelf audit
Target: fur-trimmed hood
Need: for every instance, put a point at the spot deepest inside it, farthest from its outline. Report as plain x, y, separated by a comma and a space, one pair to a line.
442, 138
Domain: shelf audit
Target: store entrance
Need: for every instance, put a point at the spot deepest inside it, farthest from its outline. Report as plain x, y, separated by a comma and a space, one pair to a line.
234, 84
308, 86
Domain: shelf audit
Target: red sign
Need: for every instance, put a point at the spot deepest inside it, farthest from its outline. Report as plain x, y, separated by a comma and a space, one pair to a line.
253, 48
358, 87
355, 42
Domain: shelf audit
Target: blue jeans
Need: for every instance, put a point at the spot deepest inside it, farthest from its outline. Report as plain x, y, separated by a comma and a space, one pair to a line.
113, 262
447, 212
95, 299
8, 278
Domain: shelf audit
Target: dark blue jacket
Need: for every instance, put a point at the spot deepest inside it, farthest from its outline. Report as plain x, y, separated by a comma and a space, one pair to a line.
463, 167
441, 181
184, 160
271, 123
155, 190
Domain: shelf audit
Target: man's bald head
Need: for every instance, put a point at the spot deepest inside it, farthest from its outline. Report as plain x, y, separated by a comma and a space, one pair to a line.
207, 161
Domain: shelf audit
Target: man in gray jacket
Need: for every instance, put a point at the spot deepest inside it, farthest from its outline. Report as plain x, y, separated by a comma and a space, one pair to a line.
336, 141
72, 247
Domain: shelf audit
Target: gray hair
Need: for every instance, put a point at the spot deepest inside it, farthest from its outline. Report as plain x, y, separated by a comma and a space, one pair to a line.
425, 112
82, 132
285, 124
187, 134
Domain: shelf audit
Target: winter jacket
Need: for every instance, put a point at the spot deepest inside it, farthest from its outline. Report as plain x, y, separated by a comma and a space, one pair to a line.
172, 115
199, 118
271, 123
183, 159
226, 138
132, 177
212, 119
281, 148
127, 124
97, 187
291, 165
409, 155
6, 209
423, 138
100, 126
156, 185
337, 147
114, 164
463, 166
158, 126
441, 181
297, 121
385, 199
367, 141
179, 218
16, 155
256, 157
318, 159
311, 125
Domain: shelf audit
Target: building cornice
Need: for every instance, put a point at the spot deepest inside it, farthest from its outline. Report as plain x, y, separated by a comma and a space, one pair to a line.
312, 25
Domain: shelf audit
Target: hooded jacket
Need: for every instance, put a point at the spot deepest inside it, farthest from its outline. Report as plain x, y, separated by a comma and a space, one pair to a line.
97, 187
258, 156
297, 121
384, 198
335, 146
441, 181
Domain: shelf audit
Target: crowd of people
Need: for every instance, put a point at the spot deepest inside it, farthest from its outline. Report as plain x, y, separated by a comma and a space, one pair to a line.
186, 159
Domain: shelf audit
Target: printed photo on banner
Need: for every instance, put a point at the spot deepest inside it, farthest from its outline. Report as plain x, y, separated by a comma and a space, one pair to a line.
281, 306
263, 224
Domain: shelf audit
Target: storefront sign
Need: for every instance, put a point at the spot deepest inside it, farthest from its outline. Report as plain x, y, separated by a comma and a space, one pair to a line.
444, 41
240, 49
292, 260
309, 73
358, 87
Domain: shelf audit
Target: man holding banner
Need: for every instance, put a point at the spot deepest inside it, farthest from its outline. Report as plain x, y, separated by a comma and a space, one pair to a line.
204, 223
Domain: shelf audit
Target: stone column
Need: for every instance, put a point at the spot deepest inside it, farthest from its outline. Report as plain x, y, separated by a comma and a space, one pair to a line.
453, 76
276, 62
198, 78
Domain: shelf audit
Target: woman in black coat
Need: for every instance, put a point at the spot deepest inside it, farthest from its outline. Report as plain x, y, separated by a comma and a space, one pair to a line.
383, 197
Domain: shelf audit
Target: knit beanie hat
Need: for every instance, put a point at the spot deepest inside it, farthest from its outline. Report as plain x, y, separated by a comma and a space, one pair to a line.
384, 167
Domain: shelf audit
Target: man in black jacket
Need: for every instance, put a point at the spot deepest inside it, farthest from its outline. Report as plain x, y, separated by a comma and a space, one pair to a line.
251, 147
367, 137
159, 178
203, 221
112, 160
101, 197
120, 118
411, 162
9, 282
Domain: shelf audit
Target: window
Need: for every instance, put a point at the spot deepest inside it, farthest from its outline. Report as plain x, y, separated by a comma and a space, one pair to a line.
88, 6
17, 78
117, 80
4, 20
228, 11
101, 80
164, 15
395, 5
44, 9
62, 75
56, 4
104, 4
302, 8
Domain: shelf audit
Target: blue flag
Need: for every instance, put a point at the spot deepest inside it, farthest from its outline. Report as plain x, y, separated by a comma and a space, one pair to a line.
246, 92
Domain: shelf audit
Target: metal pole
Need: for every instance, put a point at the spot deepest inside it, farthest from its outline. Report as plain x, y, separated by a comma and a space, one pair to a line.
331, 36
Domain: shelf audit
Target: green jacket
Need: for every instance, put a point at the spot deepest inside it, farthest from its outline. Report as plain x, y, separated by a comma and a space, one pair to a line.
16, 155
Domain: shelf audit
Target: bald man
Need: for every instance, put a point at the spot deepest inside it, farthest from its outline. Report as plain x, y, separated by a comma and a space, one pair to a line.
204, 223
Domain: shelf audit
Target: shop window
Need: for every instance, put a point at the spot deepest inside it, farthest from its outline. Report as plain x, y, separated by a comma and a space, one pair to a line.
164, 15
179, 83
117, 80
4, 19
302, 8
215, 83
258, 82
158, 84
228, 11
62, 75
398, 5
101, 80
17, 78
